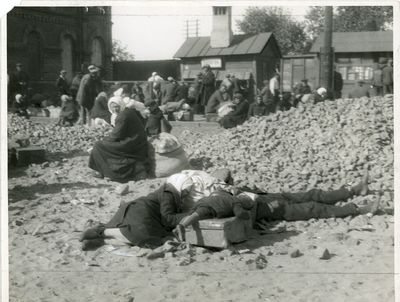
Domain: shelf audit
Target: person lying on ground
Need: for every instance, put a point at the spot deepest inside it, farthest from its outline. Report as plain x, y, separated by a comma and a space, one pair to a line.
122, 156
219, 204
146, 221
314, 203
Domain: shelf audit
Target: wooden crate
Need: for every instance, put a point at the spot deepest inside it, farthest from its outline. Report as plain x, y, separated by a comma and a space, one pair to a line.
30, 155
219, 233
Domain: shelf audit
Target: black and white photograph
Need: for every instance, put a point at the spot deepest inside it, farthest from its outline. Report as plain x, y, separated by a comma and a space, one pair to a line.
199, 151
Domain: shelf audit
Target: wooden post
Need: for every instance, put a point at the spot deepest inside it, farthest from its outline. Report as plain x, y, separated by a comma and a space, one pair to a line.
327, 52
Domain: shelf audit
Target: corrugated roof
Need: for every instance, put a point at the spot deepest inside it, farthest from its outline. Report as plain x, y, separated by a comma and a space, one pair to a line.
241, 45
366, 41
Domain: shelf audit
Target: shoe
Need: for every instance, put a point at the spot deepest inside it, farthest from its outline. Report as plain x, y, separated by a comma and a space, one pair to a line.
372, 208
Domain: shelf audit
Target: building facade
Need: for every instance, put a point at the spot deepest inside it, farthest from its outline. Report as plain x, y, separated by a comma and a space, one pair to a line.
252, 58
48, 39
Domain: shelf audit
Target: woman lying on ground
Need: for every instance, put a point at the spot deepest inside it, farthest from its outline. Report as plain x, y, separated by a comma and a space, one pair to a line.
149, 220
122, 156
278, 206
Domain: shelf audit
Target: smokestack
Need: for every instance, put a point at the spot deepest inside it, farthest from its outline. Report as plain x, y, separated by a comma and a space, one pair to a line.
221, 35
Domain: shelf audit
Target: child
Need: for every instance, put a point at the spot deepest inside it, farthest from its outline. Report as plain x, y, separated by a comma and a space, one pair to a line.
219, 204
156, 119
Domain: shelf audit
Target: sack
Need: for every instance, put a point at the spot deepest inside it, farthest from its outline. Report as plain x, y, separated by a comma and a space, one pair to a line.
170, 163
165, 143
224, 109
165, 126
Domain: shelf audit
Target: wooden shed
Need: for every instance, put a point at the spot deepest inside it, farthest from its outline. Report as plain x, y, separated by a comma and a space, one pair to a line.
357, 54
248, 57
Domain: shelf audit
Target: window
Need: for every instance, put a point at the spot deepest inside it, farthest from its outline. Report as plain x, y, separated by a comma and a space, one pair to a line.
219, 10
354, 73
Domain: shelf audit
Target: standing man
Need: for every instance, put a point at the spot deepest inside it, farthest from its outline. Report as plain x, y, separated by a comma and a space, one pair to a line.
387, 78
90, 86
337, 84
18, 82
208, 86
377, 80
62, 84
274, 87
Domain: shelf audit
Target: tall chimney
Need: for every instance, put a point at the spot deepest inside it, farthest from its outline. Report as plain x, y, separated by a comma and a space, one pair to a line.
221, 34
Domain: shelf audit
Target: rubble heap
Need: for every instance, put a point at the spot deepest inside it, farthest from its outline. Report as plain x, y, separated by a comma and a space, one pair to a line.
324, 145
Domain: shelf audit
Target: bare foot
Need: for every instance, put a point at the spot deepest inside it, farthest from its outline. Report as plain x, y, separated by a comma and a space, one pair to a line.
362, 187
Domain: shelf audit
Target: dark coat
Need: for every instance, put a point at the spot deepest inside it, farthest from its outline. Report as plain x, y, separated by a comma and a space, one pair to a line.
88, 90
267, 96
153, 124
182, 92
100, 109
257, 109
337, 81
149, 219
387, 75
377, 78
207, 87
237, 116
169, 92
215, 100
62, 86
116, 156
18, 82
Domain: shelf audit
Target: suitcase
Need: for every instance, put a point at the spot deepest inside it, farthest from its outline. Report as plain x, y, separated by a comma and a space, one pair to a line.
219, 233
30, 155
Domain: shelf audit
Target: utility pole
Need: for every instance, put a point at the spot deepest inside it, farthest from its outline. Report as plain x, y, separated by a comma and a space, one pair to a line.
327, 52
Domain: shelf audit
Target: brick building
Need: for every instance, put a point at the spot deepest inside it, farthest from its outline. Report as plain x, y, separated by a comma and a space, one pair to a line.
48, 39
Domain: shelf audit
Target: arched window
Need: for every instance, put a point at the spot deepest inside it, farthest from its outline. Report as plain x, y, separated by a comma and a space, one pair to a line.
34, 56
97, 57
67, 55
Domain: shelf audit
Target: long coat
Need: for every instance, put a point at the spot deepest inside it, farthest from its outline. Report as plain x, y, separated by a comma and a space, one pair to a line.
149, 219
62, 86
89, 88
117, 155
169, 93
207, 87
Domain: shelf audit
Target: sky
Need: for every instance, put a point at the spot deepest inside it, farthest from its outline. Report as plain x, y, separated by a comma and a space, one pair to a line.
157, 32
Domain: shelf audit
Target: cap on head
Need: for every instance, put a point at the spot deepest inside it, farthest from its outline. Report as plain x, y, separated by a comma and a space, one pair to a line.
18, 64
63, 71
154, 74
93, 68
171, 79
304, 80
207, 66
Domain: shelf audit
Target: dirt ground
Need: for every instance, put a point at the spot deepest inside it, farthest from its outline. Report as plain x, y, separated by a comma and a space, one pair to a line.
50, 204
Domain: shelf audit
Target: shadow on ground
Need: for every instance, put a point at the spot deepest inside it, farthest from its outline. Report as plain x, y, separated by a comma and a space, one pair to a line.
30, 192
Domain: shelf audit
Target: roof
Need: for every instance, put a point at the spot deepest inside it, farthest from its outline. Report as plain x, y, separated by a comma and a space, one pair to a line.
365, 41
241, 45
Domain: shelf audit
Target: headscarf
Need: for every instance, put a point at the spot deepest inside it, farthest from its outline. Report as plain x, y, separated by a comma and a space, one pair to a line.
180, 182
321, 90
116, 100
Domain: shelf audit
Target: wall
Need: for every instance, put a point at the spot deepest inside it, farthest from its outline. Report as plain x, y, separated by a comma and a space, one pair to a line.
44, 29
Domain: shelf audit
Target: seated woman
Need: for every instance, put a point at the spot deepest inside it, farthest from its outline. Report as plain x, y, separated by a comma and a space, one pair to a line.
147, 221
100, 112
122, 156
238, 115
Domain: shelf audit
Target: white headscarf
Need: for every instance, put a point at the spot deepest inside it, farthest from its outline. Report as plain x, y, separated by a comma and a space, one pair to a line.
321, 90
116, 100
180, 182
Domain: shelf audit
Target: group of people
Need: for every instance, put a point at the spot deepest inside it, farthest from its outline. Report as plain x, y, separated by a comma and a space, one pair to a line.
191, 195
